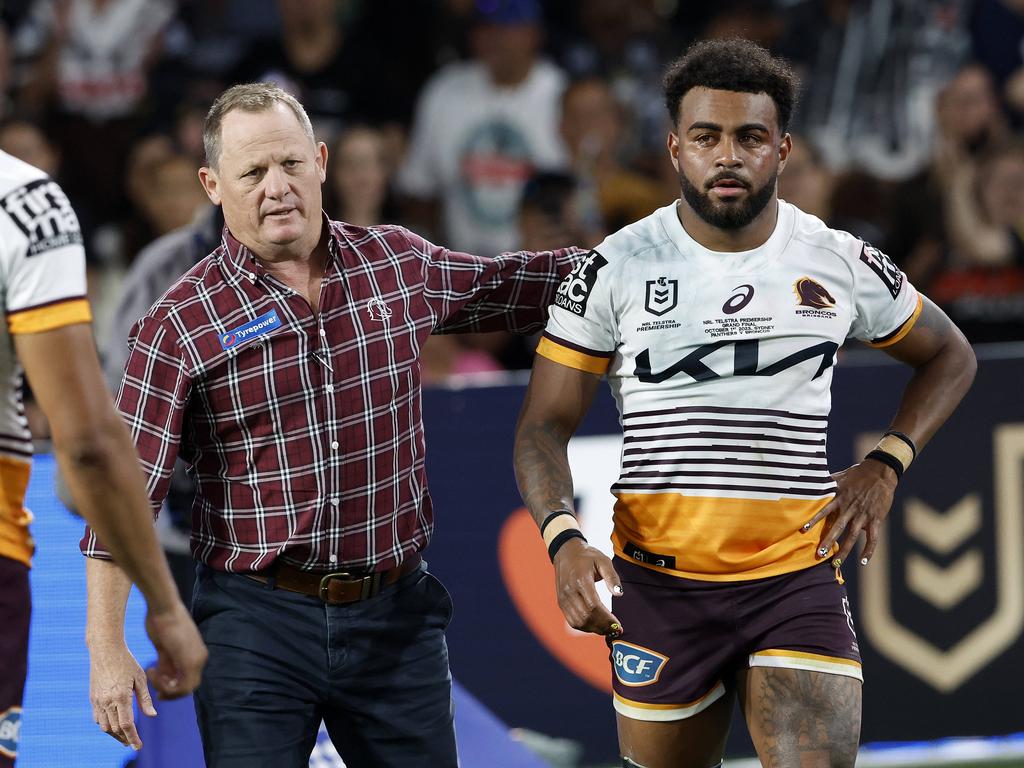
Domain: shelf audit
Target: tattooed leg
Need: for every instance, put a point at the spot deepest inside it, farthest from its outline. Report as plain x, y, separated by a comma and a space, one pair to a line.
801, 719
695, 742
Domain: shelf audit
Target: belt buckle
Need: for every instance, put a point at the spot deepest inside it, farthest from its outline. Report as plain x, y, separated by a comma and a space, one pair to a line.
370, 585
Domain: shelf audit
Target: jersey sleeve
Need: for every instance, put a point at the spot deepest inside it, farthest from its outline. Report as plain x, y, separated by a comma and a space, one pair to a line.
580, 332
886, 304
44, 286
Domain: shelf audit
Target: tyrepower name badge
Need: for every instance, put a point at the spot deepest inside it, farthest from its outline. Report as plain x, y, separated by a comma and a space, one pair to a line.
636, 665
261, 325
575, 289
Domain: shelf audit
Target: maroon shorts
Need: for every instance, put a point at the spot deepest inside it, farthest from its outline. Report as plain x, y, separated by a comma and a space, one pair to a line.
15, 612
684, 639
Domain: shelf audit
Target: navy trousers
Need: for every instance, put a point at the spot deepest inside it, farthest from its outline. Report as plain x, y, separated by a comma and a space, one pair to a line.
375, 671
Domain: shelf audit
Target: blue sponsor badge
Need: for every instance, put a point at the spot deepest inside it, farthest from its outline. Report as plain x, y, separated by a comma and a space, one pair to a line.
10, 726
243, 333
635, 665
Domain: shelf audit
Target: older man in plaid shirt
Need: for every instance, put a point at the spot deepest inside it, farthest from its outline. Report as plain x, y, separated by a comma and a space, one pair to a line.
284, 370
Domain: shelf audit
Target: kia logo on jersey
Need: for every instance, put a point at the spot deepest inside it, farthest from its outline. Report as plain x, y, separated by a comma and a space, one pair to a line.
636, 665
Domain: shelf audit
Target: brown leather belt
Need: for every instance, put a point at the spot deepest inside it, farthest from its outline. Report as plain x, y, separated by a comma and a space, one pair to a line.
336, 587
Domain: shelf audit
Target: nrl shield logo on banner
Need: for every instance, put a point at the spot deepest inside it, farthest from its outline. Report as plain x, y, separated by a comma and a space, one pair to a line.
944, 569
662, 296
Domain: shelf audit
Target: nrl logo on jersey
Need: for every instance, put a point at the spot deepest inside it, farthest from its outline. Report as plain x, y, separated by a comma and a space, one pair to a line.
813, 298
662, 296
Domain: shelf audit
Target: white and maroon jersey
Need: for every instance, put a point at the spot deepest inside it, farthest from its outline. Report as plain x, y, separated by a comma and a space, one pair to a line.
721, 367
42, 287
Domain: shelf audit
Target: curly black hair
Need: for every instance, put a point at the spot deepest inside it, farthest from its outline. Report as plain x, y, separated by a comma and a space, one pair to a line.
732, 65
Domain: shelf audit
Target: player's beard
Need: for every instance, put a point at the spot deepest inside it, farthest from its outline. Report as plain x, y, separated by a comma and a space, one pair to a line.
727, 214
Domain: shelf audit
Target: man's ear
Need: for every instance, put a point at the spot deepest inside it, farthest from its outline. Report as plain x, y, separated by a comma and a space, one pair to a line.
211, 183
785, 147
321, 160
673, 149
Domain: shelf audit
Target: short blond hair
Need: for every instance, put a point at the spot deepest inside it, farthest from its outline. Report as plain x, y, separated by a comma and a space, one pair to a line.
248, 97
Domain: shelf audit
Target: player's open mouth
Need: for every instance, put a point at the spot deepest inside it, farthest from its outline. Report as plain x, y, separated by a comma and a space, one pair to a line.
278, 214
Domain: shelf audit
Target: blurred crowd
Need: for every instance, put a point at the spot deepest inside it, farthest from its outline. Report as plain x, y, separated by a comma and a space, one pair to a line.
489, 125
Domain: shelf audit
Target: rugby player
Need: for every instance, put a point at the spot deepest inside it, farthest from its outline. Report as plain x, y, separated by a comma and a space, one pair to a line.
716, 321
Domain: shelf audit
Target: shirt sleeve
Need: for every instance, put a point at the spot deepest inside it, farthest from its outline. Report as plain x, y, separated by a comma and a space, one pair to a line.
581, 333
886, 304
473, 294
152, 400
45, 281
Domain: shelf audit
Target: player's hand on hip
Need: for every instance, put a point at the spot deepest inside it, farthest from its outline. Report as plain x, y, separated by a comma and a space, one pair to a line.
180, 652
861, 504
578, 567
114, 677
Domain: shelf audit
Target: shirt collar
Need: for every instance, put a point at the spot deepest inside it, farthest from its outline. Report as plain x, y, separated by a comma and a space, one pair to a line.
241, 264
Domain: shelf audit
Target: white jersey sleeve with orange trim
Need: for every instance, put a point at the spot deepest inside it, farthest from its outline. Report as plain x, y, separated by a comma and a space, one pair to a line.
886, 304
41, 257
42, 287
581, 332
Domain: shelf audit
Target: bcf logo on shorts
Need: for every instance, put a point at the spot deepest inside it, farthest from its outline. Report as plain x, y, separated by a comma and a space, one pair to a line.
10, 726
635, 665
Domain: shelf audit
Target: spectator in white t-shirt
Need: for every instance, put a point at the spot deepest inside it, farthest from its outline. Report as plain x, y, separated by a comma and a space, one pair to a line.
481, 129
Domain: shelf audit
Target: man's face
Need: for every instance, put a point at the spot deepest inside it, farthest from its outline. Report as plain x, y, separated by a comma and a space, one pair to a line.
268, 181
727, 151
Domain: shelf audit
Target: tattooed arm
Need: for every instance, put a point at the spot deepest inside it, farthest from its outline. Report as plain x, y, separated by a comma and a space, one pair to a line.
556, 401
944, 367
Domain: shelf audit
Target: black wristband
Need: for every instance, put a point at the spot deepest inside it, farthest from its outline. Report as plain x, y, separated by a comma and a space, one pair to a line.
552, 516
560, 539
889, 460
905, 438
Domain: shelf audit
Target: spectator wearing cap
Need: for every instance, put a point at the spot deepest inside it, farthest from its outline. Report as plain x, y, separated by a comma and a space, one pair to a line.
481, 128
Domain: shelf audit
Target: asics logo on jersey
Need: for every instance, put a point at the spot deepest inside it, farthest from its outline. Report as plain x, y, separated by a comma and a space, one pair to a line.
636, 665
811, 293
746, 361
738, 300
10, 730
662, 296
575, 289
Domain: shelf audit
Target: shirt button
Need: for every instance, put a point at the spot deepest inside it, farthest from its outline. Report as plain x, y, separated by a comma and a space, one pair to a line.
323, 332
330, 387
334, 501
333, 558
334, 445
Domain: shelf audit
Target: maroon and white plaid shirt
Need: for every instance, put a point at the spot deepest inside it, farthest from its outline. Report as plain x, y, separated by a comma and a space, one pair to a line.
304, 431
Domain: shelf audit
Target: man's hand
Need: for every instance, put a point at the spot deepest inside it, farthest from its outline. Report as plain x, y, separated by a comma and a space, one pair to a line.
862, 503
578, 566
180, 652
114, 675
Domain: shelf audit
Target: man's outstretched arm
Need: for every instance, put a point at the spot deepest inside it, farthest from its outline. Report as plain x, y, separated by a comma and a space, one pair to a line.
556, 402
98, 459
944, 367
